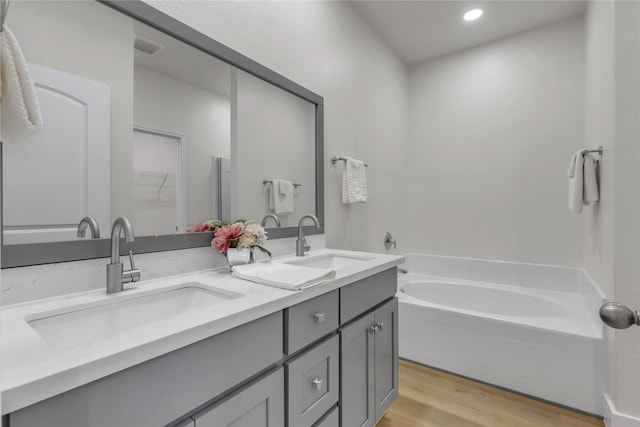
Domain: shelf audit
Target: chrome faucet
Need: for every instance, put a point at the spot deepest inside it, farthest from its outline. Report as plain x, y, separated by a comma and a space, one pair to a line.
88, 221
389, 240
116, 277
272, 216
301, 243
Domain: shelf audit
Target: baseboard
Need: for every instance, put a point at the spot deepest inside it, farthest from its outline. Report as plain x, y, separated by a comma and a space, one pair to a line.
613, 418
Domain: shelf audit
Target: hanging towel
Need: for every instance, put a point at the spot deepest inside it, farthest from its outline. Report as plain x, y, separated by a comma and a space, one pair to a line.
354, 182
20, 114
280, 275
591, 194
583, 184
281, 199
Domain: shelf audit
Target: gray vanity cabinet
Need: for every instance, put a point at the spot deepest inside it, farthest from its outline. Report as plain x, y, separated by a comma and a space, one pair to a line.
328, 361
163, 390
369, 365
259, 405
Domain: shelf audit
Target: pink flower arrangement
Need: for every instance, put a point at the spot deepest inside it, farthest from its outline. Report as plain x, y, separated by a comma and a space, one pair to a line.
227, 237
210, 225
241, 235
198, 228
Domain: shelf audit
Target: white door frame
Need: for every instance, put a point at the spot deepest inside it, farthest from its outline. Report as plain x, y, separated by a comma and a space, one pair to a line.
181, 177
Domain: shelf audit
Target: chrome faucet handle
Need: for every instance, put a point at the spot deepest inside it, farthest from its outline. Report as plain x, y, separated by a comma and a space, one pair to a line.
134, 273
133, 266
389, 240
301, 243
116, 276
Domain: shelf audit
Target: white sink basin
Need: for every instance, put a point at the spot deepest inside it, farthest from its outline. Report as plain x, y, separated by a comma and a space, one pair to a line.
330, 261
84, 324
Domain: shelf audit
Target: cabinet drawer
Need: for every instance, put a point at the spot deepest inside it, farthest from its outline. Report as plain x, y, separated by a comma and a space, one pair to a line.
365, 294
310, 320
332, 419
312, 380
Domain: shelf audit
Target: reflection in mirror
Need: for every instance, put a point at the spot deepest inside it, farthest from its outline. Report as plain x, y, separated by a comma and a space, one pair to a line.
186, 110
140, 124
273, 152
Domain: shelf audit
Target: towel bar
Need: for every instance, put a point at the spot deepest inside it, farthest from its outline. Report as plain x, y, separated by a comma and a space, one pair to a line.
269, 181
334, 159
597, 150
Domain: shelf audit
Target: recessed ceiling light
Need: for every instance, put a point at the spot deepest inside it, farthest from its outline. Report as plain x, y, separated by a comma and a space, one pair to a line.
473, 14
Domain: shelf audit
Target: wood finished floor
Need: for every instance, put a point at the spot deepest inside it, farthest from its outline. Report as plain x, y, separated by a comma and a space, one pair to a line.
430, 398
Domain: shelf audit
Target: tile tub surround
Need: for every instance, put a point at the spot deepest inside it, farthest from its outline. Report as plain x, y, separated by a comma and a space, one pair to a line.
33, 371
565, 364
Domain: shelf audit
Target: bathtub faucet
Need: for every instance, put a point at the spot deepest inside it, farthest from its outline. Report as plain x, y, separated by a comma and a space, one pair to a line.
388, 241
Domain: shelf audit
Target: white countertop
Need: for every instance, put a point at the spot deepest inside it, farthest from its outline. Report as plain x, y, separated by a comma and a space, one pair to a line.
32, 370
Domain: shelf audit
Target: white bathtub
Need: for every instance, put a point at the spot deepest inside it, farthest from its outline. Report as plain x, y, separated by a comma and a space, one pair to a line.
529, 328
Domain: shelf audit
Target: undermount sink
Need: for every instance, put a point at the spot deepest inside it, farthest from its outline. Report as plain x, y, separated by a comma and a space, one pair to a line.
78, 325
330, 261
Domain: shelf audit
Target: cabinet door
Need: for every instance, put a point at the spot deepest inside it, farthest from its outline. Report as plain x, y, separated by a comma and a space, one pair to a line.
386, 356
312, 381
357, 366
259, 405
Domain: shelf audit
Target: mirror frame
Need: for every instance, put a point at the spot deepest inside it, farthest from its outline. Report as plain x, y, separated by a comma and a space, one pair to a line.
21, 255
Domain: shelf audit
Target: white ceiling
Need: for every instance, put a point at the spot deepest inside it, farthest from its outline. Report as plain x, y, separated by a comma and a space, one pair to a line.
183, 62
421, 30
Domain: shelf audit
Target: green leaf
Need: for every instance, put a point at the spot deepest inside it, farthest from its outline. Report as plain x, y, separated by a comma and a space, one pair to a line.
262, 249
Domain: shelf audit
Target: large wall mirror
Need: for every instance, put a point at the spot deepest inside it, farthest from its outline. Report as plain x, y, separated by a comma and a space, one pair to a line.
149, 119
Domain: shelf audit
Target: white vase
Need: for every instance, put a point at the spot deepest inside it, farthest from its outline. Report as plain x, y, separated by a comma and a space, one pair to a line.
237, 256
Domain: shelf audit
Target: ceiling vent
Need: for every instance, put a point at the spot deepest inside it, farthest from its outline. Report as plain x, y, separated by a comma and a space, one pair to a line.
148, 46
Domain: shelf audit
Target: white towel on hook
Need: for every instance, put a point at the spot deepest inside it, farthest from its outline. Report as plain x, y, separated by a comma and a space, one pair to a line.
281, 200
354, 182
583, 183
20, 114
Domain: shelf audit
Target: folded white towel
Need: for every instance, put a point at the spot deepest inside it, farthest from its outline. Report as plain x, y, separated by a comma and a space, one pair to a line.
280, 275
20, 114
354, 182
583, 184
281, 199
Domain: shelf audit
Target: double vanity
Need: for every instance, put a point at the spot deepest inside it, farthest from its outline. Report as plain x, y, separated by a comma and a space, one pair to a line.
207, 349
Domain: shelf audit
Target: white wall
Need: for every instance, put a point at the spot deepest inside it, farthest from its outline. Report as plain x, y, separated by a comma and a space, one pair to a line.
492, 130
273, 137
201, 116
328, 48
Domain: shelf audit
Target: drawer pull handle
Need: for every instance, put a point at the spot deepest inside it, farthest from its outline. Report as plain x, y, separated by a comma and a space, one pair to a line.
376, 328
317, 383
318, 317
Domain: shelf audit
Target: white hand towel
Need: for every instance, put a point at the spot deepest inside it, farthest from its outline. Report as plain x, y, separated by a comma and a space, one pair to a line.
20, 114
282, 197
354, 182
591, 195
280, 275
583, 185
